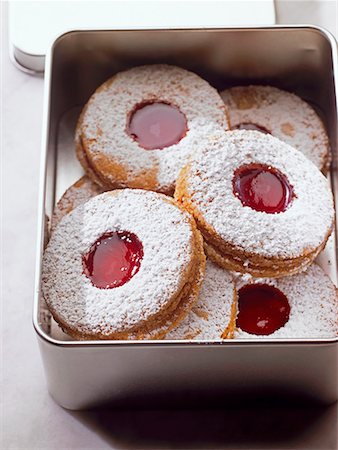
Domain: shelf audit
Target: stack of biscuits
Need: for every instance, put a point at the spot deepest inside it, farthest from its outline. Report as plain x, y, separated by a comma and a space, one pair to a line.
199, 217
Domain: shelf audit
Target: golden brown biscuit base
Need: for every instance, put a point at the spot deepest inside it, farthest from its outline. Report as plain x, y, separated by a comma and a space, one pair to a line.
272, 271
112, 175
84, 161
81, 191
179, 306
229, 332
82, 156
231, 258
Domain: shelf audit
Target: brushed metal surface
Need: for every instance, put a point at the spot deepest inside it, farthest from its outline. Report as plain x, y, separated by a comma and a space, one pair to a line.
82, 374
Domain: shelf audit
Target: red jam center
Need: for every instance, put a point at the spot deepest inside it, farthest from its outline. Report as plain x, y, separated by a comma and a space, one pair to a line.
113, 259
263, 188
157, 125
262, 309
251, 126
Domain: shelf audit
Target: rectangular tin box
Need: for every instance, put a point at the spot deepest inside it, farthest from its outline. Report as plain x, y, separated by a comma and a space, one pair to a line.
84, 374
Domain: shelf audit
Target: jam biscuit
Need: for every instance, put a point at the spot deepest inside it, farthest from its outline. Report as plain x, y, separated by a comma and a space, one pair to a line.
140, 126
80, 192
262, 206
126, 264
213, 316
300, 306
282, 114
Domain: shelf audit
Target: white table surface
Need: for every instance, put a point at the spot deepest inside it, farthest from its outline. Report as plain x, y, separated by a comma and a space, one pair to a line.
30, 418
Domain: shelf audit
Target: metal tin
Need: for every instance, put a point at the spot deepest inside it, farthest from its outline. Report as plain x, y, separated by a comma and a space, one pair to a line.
82, 374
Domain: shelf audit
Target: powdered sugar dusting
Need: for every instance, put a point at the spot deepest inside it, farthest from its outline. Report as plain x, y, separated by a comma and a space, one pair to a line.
211, 315
313, 305
284, 114
300, 229
105, 119
80, 192
166, 234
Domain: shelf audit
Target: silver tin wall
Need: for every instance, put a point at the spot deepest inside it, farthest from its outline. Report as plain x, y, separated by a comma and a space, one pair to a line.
81, 374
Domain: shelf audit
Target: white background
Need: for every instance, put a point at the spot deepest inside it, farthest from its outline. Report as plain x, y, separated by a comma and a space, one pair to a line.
30, 418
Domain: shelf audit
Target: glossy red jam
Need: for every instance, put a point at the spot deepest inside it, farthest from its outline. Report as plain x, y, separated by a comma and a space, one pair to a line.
262, 309
263, 188
251, 126
113, 259
157, 125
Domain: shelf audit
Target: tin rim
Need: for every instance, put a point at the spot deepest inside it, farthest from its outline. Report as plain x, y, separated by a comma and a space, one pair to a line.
42, 191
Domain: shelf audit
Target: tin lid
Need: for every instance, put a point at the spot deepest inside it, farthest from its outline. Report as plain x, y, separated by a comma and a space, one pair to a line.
33, 25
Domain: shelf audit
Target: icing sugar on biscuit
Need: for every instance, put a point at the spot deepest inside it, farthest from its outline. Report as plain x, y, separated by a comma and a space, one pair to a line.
212, 317
292, 237
282, 114
313, 305
77, 194
106, 137
169, 274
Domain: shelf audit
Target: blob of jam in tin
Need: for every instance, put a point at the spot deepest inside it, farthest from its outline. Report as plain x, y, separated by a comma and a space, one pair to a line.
262, 309
262, 188
157, 125
113, 259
